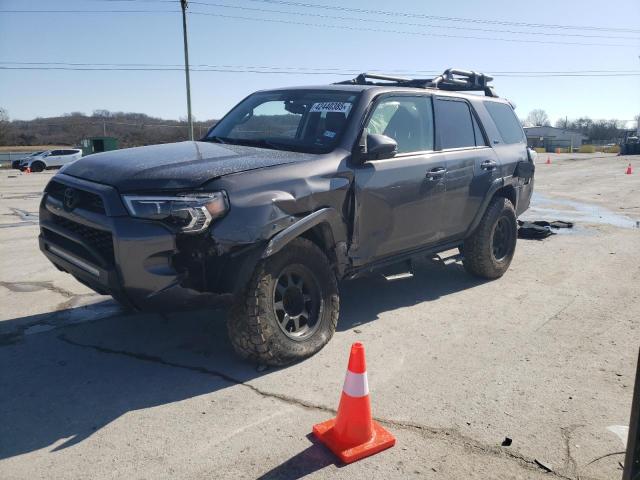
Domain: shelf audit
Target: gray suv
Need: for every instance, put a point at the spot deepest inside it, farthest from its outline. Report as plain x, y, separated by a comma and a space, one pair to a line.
291, 192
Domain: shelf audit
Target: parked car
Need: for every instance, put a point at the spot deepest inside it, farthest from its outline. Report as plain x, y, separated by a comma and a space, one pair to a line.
292, 191
51, 159
16, 163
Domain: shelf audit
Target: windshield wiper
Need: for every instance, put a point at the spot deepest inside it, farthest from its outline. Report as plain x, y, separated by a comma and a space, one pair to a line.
260, 143
215, 139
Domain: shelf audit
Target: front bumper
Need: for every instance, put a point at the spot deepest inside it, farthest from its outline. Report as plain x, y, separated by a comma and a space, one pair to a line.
103, 247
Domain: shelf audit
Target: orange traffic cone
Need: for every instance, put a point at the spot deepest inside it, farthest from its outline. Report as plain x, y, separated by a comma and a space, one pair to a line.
548, 162
629, 170
353, 434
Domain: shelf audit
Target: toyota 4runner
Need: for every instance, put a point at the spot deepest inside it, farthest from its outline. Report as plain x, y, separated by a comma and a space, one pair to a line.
292, 191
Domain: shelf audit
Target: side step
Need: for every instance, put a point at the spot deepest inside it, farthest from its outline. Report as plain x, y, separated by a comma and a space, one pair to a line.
399, 271
399, 266
456, 257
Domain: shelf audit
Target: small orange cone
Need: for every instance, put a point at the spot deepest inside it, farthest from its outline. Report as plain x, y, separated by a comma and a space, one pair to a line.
548, 162
629, 170
353, 434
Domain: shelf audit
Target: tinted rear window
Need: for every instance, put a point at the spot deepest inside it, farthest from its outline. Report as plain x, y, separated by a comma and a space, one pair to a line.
506, 122
453, 120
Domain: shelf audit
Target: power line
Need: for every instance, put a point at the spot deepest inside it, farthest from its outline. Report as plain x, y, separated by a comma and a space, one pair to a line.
296, 69
298, 72
342, 27
89, 11
404, 14
405, 32
422, 25
445, 18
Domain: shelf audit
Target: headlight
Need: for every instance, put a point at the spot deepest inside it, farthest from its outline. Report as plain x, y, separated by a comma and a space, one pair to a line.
190, 213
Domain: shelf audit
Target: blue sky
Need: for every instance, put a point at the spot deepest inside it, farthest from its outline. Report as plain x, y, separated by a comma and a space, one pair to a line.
216, 39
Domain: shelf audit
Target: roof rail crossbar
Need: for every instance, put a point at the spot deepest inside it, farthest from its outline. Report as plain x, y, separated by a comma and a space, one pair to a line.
452, 79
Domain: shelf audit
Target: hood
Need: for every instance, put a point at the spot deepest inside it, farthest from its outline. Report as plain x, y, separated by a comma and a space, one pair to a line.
176, 166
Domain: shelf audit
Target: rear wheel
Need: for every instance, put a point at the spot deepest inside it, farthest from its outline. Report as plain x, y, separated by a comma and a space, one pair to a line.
489, 250
289, 309
37, 167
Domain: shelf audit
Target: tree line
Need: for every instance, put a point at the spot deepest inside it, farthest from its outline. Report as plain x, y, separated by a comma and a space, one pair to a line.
595, 130
131, 129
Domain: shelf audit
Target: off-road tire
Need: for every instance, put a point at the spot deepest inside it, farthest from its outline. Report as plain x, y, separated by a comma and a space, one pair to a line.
478, 248
253, 325
38, 167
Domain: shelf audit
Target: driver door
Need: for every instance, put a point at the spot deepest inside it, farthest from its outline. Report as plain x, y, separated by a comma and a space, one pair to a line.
398, 201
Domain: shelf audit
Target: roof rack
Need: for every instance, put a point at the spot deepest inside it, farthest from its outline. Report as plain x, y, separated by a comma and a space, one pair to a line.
451, 80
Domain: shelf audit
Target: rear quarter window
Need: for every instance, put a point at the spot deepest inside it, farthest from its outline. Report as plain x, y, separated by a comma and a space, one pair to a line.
506, 122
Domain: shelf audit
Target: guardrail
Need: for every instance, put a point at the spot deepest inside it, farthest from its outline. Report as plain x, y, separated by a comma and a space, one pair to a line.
7, 157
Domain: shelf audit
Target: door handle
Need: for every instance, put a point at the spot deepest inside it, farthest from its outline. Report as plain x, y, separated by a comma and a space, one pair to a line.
489, 165
436, 173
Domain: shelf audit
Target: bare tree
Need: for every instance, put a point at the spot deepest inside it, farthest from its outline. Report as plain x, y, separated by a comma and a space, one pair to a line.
538, 118
4, 126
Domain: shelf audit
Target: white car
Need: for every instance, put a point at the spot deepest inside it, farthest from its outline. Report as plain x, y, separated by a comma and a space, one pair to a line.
51, 159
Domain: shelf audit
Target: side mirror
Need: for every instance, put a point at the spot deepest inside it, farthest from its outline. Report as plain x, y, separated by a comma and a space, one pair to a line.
380, 147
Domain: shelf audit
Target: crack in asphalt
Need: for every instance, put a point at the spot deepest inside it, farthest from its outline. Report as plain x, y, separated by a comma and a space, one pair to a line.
606, 455
570, 462
24, 215
62, 315
452, 436
21, 287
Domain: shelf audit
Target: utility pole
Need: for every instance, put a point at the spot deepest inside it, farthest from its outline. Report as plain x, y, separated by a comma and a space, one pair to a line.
184, 5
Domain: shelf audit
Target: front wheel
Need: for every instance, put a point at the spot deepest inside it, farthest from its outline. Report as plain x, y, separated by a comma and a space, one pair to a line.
289, 309
37, 166
488, 251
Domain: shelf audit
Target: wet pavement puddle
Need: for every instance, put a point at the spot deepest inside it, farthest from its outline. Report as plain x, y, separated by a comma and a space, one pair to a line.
580, 213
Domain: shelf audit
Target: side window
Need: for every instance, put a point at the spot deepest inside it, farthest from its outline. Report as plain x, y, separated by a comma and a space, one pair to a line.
408, 120
480, 141
56, 152
455, 124
506, 122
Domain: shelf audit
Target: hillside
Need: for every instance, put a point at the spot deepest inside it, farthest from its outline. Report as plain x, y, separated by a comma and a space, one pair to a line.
131, 129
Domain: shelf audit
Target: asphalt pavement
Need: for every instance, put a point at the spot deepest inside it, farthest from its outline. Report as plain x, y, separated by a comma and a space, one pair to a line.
544, 356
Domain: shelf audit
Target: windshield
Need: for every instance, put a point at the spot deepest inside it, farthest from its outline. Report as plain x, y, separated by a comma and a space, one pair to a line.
309, 121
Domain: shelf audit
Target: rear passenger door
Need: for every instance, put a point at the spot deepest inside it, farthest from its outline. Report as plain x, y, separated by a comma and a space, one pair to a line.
68, 156
55, 159
471, 165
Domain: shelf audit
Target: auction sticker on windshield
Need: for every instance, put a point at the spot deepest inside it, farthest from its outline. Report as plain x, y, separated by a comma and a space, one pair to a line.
330, 107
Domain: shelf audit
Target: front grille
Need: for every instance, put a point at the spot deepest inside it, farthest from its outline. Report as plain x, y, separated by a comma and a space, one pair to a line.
99, 240
87, 200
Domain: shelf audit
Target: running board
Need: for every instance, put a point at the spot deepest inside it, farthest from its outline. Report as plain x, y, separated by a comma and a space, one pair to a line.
448, 260
398, 276
381, 264
398, 272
